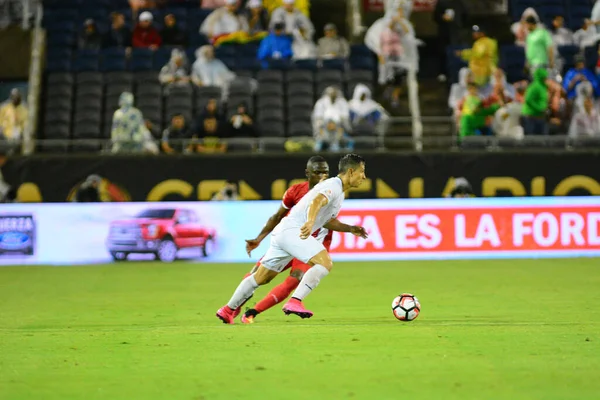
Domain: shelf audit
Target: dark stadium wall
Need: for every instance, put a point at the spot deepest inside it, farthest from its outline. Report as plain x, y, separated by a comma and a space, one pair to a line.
55, 178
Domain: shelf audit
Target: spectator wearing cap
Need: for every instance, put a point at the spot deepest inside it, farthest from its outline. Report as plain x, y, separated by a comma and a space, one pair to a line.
462, 188
224, 21
118, 35
257, 16
331, 45
276, 46
172, 34
144, 34
539, 49
482, 57
90, 38
561, 35
577, 75
292, 18
13, 117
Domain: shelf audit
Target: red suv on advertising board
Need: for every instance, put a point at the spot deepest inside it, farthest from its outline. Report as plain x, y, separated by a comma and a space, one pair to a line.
161, 232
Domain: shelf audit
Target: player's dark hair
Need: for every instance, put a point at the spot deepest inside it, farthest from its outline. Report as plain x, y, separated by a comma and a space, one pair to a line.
316, 159
350, 161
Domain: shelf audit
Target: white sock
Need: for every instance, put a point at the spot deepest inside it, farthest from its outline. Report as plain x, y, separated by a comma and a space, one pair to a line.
310, 281
243, 292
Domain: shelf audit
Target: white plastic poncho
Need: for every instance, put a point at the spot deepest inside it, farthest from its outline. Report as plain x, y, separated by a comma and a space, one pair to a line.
324, 106
362, 109
410, 59
211, 72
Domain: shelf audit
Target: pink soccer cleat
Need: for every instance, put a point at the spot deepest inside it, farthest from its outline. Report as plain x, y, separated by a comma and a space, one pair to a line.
237, 312
225, 314
294, 306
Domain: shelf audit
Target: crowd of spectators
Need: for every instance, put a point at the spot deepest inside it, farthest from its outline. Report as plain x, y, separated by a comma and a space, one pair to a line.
557, 97
285, 34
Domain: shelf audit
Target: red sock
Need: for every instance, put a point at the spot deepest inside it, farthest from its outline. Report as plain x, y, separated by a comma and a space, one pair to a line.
278, 294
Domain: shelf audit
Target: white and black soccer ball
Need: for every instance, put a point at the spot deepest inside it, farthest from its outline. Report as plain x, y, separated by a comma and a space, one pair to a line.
406, 307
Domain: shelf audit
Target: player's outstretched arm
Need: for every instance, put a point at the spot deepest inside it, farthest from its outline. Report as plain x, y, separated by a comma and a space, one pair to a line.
272, 222
338, 226
315, 206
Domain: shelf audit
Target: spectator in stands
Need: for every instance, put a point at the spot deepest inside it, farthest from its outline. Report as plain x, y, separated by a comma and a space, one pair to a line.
501, 90
302, 46
210, 71
13, 117
331, 104
577, 75
176, 72
330, 134
153, 129
474, 113
241, 124
212, 3
561, 35
482, 57
539, 46
459, 90
332, 45
391, 67
276, 46
224, 21
177, 136
118, 35
257, 16
173, 35
292, 18
364, 111
128, 130
520, 28
144, 34
587, 35
90, 38
449, 16
535, 106
586, 122
210, 129
507, 120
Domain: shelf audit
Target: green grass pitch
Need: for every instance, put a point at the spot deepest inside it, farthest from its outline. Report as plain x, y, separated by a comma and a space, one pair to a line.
508, 329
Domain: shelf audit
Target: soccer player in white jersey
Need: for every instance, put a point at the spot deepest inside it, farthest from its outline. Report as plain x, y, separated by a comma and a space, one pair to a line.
292, 239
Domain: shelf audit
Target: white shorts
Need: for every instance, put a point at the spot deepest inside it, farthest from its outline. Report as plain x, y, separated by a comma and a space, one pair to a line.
287, 245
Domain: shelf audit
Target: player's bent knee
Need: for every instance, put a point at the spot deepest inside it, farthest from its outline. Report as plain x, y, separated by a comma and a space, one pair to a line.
323, 258
262, 276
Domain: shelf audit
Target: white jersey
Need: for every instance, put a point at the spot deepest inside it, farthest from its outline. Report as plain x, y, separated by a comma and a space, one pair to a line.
332, 189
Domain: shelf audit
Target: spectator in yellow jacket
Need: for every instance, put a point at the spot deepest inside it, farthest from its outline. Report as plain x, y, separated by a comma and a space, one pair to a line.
482, 57
13, 117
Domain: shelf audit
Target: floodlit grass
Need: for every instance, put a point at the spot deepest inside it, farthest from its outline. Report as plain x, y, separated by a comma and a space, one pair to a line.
508, 329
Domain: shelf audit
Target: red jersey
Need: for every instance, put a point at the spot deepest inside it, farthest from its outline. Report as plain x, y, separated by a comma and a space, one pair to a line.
292, 196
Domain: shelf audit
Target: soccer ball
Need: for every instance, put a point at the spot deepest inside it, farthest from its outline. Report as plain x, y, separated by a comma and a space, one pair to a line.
406, 307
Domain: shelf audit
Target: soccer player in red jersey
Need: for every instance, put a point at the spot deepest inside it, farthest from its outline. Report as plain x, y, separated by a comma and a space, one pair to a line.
317, 170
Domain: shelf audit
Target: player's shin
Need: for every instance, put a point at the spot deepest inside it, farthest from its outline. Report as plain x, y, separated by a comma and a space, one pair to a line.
277, 295
310, 281
243, 292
